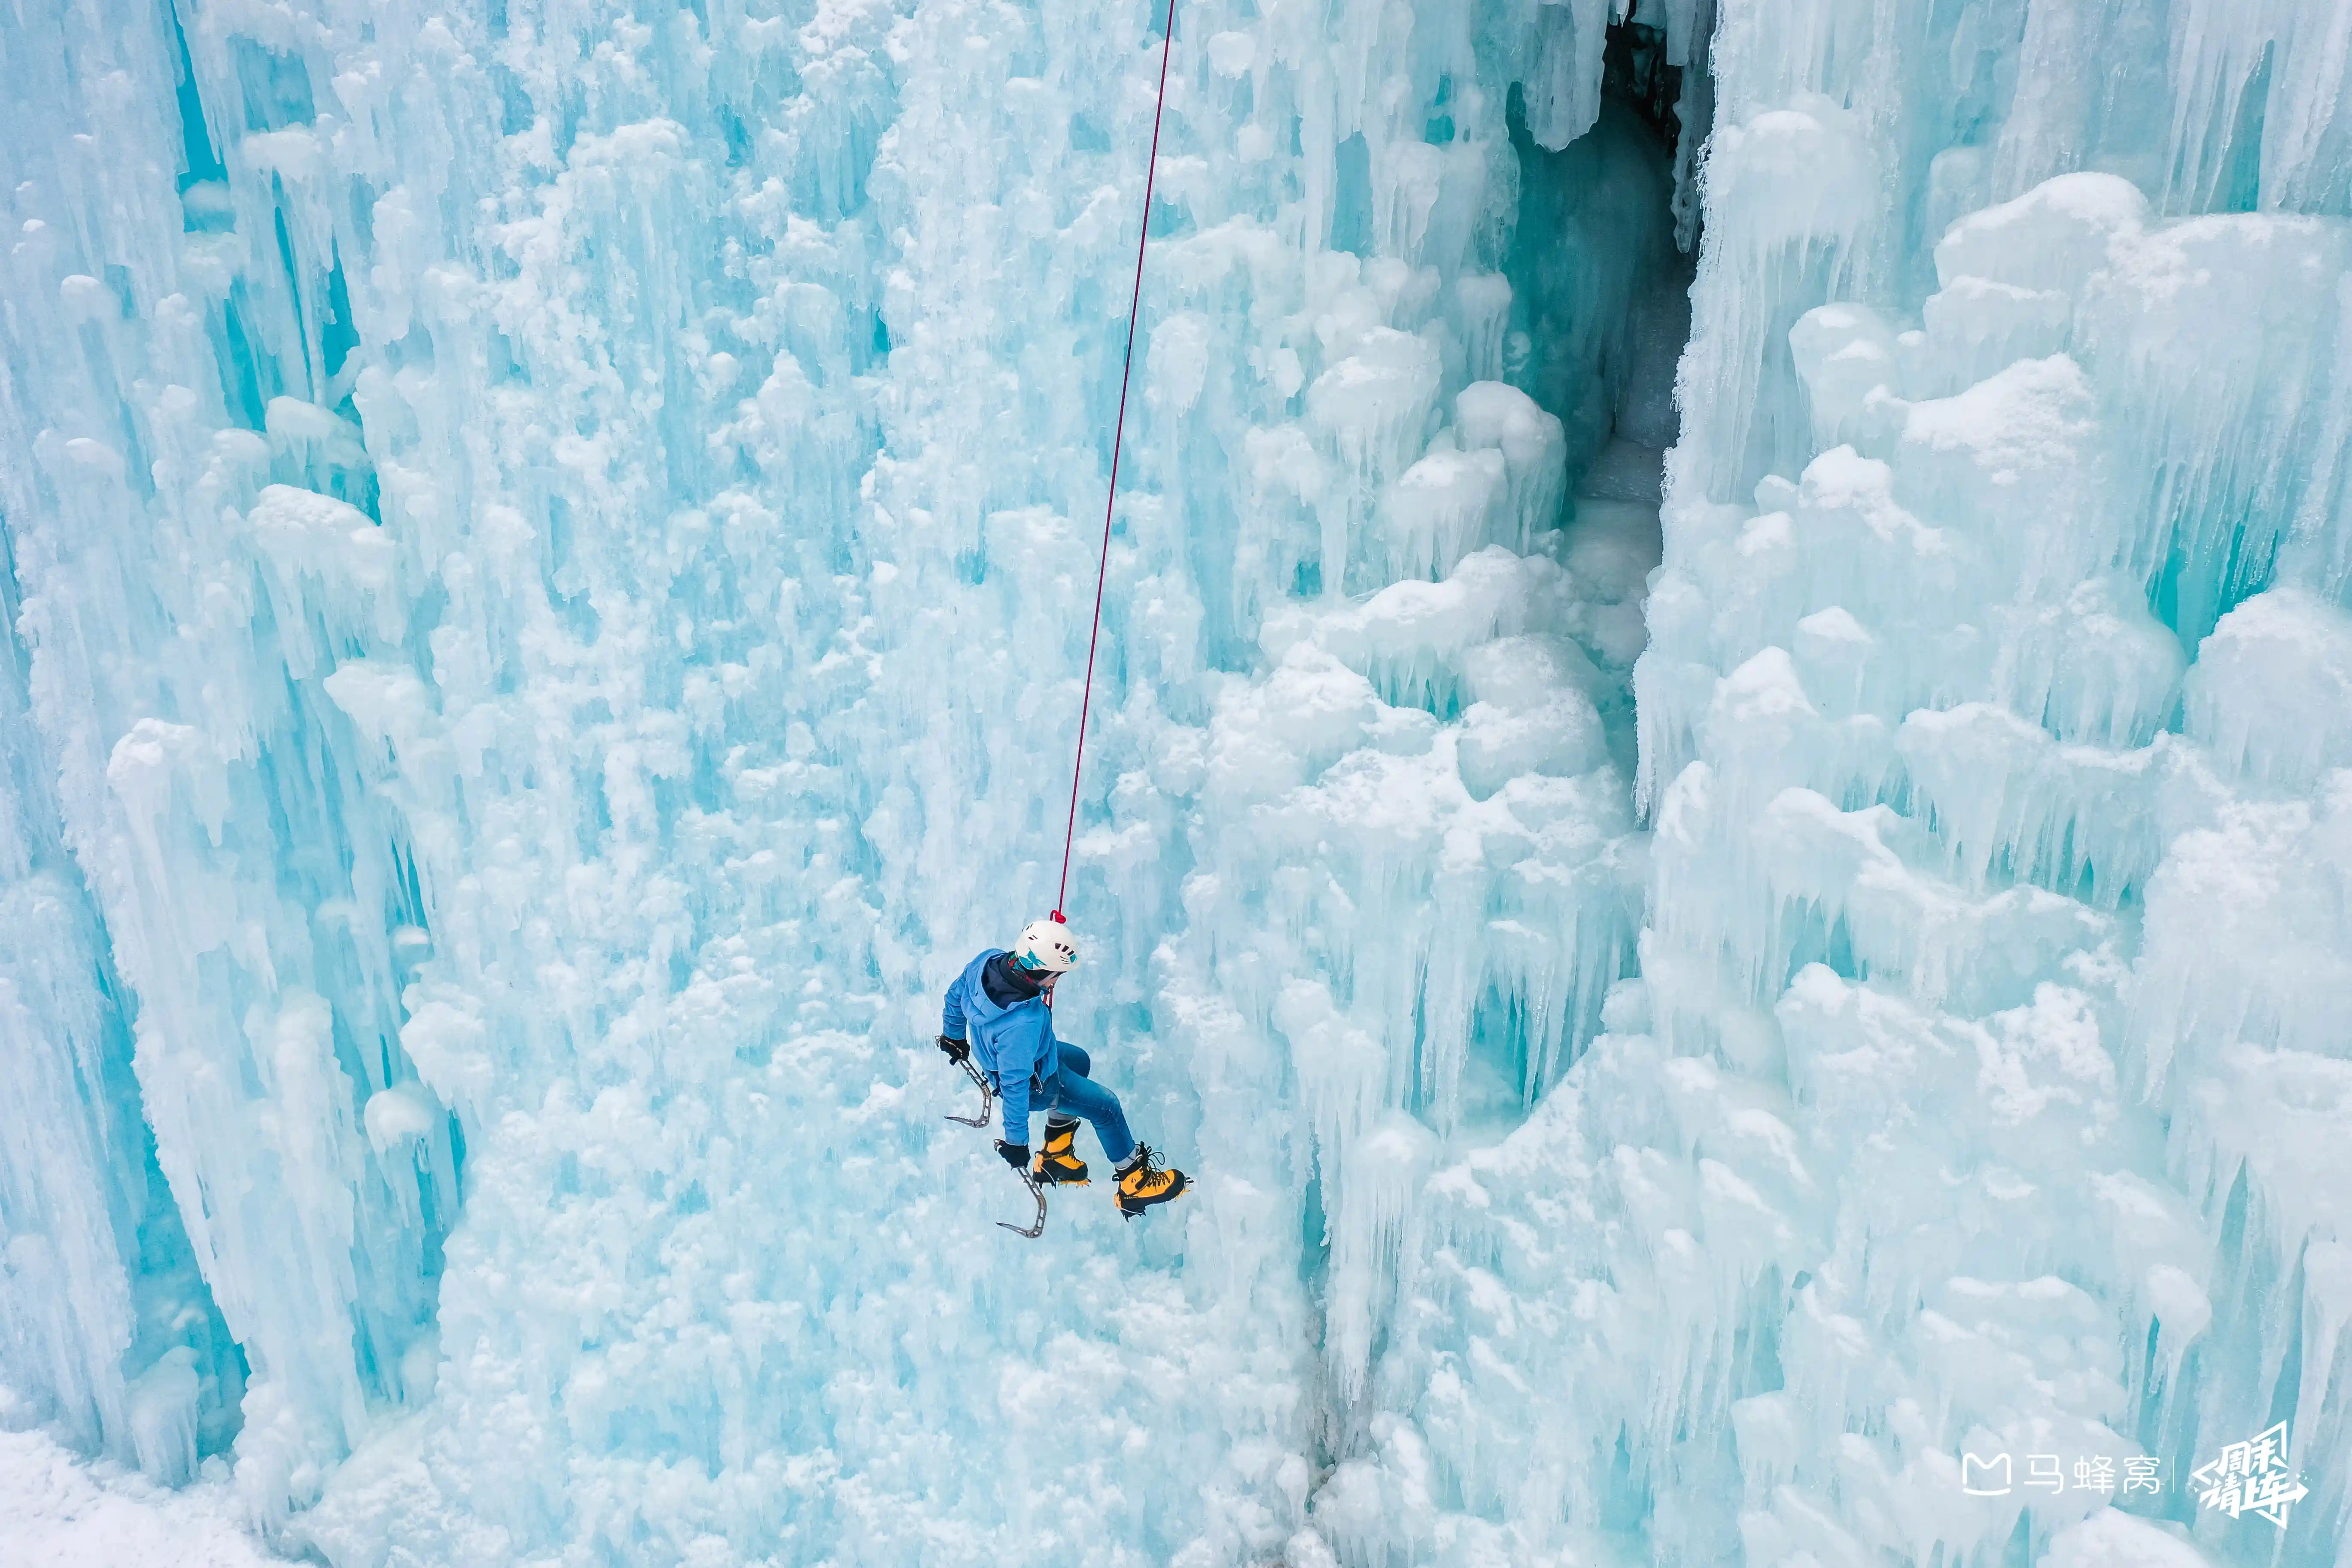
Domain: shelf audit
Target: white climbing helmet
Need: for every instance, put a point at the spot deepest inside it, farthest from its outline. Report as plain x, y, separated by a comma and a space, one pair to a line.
1047, 945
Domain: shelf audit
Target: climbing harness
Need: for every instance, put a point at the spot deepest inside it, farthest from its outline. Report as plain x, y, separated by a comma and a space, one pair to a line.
1102, 569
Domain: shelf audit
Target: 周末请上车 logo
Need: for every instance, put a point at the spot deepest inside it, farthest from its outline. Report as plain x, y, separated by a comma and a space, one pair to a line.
2251, 1476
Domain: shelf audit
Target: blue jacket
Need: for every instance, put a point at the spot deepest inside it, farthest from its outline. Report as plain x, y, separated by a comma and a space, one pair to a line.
1012, 1045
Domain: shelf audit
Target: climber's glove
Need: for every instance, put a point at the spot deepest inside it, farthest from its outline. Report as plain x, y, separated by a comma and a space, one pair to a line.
1013, 1154
956, 1051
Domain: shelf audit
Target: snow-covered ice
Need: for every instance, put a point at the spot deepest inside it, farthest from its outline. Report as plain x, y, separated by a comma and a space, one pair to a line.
58, 1511
1718, 816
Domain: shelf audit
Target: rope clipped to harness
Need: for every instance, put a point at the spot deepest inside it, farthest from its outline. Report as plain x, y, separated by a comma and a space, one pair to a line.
1119, 434
1102, 576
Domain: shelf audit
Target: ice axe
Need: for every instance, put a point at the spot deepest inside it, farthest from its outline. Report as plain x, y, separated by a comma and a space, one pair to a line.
987, 1095
1038, 1229
987, 1106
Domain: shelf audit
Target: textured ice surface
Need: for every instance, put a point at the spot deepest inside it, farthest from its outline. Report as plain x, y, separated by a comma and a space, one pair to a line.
56, 1511
549, 562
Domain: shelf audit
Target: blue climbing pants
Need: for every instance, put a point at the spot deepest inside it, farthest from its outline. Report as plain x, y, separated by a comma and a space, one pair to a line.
1070, 1093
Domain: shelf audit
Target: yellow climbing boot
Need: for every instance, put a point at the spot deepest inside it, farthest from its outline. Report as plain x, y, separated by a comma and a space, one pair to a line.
1058, 1164
1142, 1183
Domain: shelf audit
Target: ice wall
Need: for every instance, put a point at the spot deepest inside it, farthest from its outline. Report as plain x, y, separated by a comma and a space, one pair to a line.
552, 551
551, 559
1973, 1096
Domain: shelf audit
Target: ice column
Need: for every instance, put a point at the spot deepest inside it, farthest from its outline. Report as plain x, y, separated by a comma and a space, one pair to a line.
103, 1323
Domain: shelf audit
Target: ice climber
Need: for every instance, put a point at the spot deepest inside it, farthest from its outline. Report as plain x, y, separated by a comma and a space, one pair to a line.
1001, 1010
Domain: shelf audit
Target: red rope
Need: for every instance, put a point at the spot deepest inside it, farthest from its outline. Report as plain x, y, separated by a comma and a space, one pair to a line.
1102, 570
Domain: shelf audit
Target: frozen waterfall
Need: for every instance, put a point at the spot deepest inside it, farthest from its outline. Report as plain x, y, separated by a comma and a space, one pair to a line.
1717, 817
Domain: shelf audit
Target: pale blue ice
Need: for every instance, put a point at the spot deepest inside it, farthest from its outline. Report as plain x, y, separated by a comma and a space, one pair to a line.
1717, 815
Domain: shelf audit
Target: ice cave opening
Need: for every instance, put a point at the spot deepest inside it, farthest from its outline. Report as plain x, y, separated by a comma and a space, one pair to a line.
1600, 267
